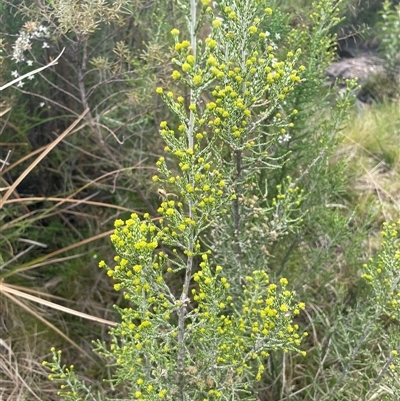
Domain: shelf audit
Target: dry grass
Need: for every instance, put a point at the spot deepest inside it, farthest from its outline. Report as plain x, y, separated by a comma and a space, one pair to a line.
371, 147
28, 320
20, 369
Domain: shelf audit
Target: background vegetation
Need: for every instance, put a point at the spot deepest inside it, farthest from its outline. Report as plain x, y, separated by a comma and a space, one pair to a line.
55, 222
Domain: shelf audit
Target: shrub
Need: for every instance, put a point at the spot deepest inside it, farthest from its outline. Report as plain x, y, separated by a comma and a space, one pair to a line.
205, 341
202, 317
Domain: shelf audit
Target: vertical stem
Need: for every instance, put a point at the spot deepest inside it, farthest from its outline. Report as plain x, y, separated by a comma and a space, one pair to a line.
189, 264
236, 206
238, 157
193, 7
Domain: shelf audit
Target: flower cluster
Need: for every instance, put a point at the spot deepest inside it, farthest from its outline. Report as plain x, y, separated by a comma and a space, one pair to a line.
31, 31
393, 371
261, 322
72, 387
244, 117
383, 272
244, 82
233, 336
395, 361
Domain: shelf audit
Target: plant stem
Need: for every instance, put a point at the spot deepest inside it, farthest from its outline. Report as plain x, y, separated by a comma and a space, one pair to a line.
236, 206
189, 264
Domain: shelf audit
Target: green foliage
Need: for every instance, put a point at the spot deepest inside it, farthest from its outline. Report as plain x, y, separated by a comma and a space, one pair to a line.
88, 179
373, 167
382, 273
211, 341
253, 190
387, 85
390, 35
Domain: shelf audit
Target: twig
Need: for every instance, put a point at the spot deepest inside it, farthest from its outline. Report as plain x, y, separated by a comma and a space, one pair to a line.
5, 288
31, 73
5, 161
40, 158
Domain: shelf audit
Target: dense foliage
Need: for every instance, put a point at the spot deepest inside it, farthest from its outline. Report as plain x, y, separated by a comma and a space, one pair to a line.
207, 133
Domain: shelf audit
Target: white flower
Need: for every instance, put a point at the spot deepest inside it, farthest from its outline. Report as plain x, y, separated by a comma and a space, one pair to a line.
45, 45
29, 62
20, 84
284, 138
40, 32
31, 77
15, 74
21, 44
41, 104
277, 36
17, 56
267, 33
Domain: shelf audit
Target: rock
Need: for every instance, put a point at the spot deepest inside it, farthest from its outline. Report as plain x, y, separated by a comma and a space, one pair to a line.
361, 67
376, 81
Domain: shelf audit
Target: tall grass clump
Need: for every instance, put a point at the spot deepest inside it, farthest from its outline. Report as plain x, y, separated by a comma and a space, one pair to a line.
370, 146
